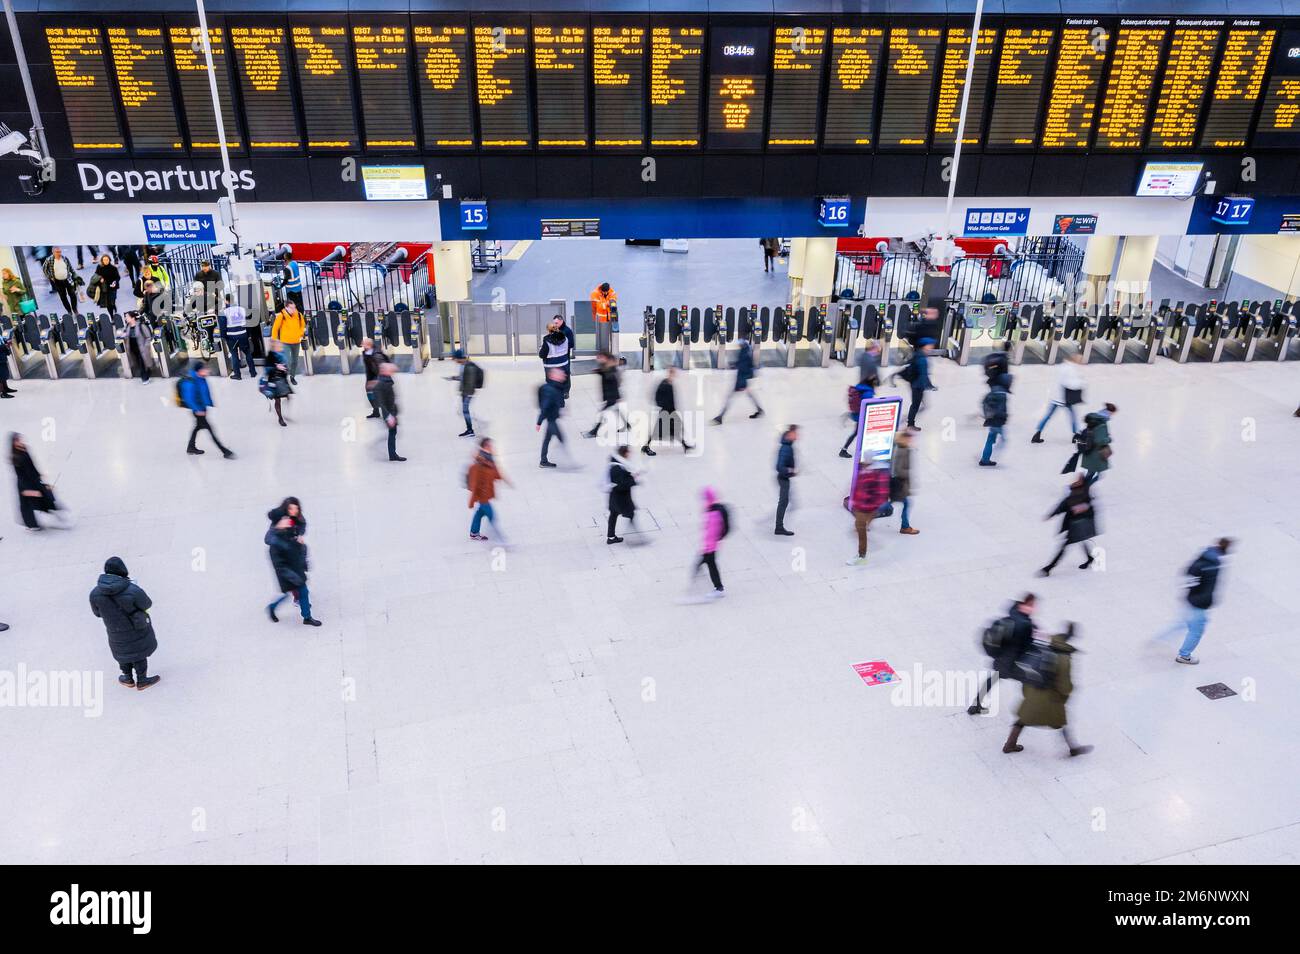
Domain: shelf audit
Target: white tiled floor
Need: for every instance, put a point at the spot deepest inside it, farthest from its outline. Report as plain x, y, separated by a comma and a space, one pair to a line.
556, 703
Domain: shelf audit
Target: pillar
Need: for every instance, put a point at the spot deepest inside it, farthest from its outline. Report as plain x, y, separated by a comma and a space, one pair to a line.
452, 270
798, 248
1098, 259
818, 271
1132, 283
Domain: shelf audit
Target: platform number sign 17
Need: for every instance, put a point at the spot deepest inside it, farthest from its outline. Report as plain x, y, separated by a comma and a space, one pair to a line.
473, 215
833, 212
1233, 211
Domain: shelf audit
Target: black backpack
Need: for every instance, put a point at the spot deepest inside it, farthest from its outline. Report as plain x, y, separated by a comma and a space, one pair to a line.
1037, 667
721, 510
479, 377
997, 636
909, 373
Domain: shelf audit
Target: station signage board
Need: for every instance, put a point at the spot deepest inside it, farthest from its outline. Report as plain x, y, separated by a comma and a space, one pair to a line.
996, 222
394, 183
473, 214
179, 227
1233, 210
833, 212
1076, 224
1170, 179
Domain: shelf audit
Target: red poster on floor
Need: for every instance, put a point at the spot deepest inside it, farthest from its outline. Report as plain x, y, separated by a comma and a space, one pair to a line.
875, 673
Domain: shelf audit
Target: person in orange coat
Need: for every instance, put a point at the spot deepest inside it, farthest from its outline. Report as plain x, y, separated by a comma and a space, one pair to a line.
602, 298
481, 479
289, 329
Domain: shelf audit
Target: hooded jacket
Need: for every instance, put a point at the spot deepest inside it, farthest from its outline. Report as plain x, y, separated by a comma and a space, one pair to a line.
994, 406
621, 483
550, 398
194, 390
785, 459
712, 521
482, 478
123, 606
744, 365
1205, 577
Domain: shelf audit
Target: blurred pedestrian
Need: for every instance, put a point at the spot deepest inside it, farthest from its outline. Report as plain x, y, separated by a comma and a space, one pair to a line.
620, 480
556, 353
1047, 689
666, 416
124, 607
290, 507
289, 561
275, 385
139, 346
745, 371
770, 247
34, 494
6, 391
386, 400
900, 481
193, 392
289, 329
1095, 448
550, 398
994, 408
63, 278
1069, 382
610, 396
1006, 640
870, 493
717, 524
785, 470
917, 375
862, 391
869, 363
481, 478
470, 380
1078, 523
234, 328
1204, 573
371, 359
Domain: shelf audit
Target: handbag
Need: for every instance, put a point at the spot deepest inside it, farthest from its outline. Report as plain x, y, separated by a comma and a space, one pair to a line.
896, 489
27, 306
1073, 396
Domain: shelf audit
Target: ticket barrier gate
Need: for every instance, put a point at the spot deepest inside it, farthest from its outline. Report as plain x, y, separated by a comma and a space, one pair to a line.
821, 336
791, 330
649, 322
752, 325
683, 331
1214, 321
1092, 322
719, 329
1279, 332
1180, 331
1032, 334
68, 335
328, 341
107, 337
968, 322
1144, 335
1244, 334
1108, 340
888, 322
29, 344
847, 329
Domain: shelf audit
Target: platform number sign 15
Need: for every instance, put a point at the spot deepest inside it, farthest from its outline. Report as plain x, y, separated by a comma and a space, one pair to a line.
473, 215
833, 212
1233, 211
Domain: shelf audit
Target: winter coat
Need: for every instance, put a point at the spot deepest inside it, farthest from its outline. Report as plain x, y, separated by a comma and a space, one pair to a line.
277, 375
1046, 707
29, 478
195, 392
4, 359
621, 484
550, 398
143, 341
288, 558
785, 459
666, 397
1205, 573
123, 607
14, 293
868, 367
276, 514
471, 379
1081, 525
608, 384
901, 485
994, 406
108, 279
920, 370
482, 477
1022, 637
744, 366
871, 490
1098, 459
371, 363
386, 396
712, 522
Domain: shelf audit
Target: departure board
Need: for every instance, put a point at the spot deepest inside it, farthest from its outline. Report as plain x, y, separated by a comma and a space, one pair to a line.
77, 55
1132, 84
1279, 120
1238, 81
618, 73
321, 52
262, 65
1189, 68
952, 80
909, 83
738, 61
442, 73
501, 72
676, 64
196, 95
140, 63
1072, 98
1018, 87
798, 55
560, 59
851, 90
382, 50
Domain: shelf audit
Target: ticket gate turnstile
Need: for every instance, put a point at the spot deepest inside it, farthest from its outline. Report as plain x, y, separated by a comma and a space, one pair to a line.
1214, 322
1279, 332
162, 352
681, 332
847, 330
791, 331
1030, 333
888, 324
648, 325
1244, 333
1144, 332
1094, 320
821, 333
751, 326
716, 334
1180, 331
29, 357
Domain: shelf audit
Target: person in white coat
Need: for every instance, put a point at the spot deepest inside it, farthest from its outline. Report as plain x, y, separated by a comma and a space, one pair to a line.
1069, 381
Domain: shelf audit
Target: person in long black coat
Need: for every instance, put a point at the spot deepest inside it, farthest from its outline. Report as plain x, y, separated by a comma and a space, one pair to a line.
124, 608
289, 561
621, 482
5, 351
1078, 523
34, 495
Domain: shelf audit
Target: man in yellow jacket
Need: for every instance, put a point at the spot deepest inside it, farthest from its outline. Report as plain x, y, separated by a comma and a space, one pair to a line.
288, 329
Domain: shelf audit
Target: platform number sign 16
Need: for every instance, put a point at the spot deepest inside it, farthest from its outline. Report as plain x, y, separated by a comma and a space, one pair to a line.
833, 212
473, 215
1233, 211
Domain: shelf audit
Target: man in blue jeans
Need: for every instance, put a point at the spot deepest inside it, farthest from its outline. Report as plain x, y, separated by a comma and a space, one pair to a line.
1204, 572
289, 560
995, 416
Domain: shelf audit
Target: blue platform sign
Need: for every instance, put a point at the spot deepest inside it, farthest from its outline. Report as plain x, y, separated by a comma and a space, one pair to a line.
1233, 211
179, 227
833, 212
996, 222
473, 214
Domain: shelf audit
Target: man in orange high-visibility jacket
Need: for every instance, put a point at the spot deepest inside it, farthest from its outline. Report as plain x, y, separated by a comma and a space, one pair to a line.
602, 298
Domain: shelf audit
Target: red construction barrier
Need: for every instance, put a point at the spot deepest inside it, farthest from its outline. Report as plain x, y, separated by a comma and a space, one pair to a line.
864, 252
986, 249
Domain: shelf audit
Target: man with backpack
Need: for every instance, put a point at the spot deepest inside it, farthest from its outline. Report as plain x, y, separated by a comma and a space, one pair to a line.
1006, 640
917, 375
471, 379
1046, 676
607, 368
994, 409
192, 392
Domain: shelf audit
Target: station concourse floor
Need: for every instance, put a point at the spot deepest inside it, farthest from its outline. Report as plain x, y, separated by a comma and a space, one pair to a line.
557, 703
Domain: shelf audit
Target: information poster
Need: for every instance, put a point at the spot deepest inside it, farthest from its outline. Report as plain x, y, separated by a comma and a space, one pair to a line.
443, 67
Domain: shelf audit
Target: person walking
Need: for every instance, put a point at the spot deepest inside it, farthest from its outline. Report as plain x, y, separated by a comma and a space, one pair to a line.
91, 250
470, 380
107, 279
770, 247
289, 561
717, 524
290, 507
1069, 380
6, 392
63, 278
550, 398
139, 346
194, 394
481, 478
371, 359
1006, 640
994, 409
556, 353
862, 391
1078, 523
785, 470
129, 255
152, 303
610, 396
900, 481
917, 374
870, 493
1095, 449
1204, 573
211, 294
745, 372
275, 385
234, 328
14, 292
666, 417
620, 481
124, 607
869, 363
386, 400
34, 494
291, 276
1045, 705
289, 329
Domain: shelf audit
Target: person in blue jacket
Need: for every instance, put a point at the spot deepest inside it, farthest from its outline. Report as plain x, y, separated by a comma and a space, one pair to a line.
195, 395
744, 374
550, 398
917, 374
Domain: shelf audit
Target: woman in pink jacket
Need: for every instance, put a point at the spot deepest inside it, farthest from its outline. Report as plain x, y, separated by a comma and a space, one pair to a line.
717, 523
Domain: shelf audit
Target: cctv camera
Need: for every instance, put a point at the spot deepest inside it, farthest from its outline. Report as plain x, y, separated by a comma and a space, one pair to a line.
31, 185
